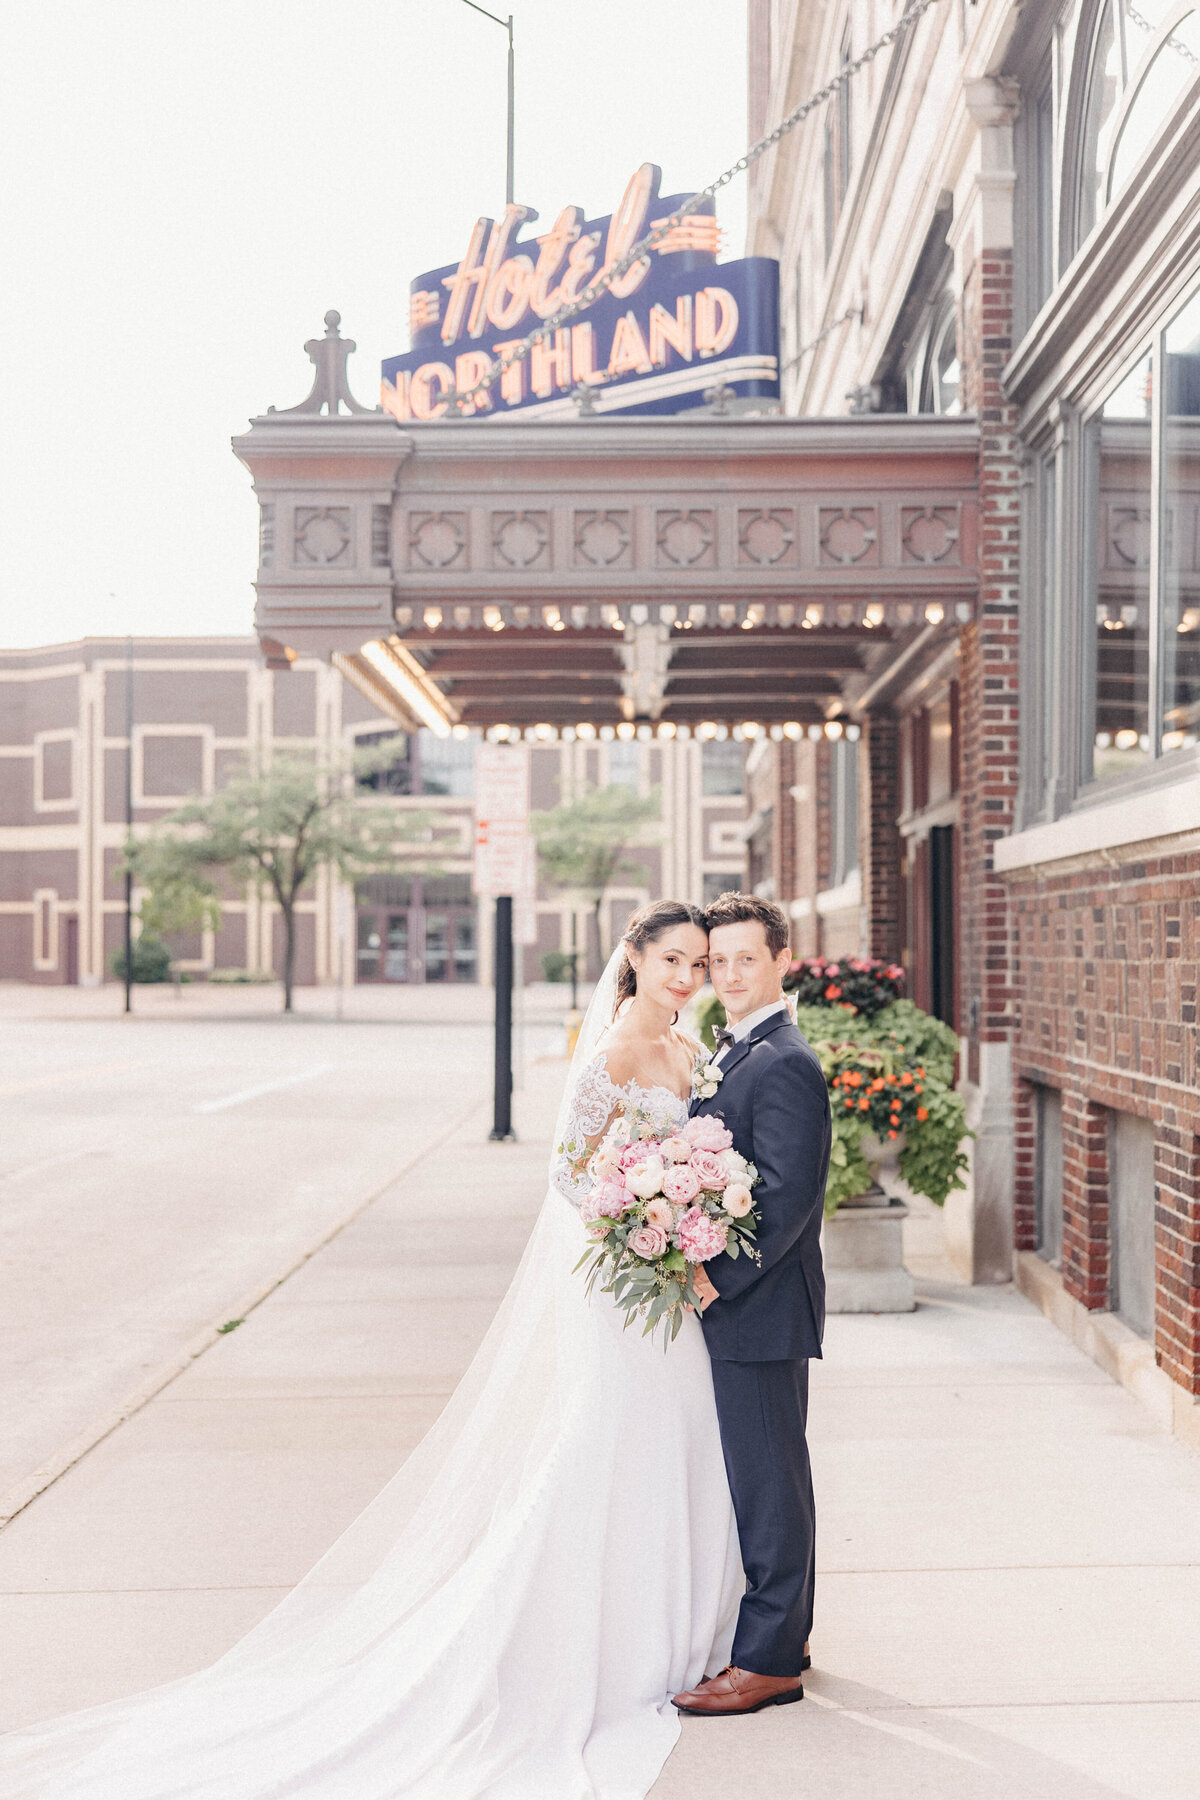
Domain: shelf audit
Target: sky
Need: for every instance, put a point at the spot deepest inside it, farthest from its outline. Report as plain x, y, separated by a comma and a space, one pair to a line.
188, 187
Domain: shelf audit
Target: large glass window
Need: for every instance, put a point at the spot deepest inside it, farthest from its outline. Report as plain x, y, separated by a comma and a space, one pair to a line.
1143, 448
1143, 56
1181, 537
722, 769
1119, 455
624, 764
424, 763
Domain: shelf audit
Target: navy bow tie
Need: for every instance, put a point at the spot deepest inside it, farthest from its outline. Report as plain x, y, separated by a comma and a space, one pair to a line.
722, 1037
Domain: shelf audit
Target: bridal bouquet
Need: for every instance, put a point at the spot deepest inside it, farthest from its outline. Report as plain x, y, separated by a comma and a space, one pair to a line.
657, 1207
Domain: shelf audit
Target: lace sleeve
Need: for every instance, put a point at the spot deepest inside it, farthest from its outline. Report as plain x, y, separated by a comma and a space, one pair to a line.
595, 1102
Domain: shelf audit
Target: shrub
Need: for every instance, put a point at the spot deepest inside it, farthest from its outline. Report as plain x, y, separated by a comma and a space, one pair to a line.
248, 977
855, 984
556, 965
151, 960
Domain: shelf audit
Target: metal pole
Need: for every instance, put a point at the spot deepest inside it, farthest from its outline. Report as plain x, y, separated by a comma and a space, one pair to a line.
512, 108
128, 822
574, 960
502, 1131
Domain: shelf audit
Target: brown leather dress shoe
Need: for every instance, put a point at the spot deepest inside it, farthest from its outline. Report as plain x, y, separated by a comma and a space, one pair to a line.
739, 1691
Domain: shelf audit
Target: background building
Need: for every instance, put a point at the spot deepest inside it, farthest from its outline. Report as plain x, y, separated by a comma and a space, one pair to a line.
1000, 219
199, 705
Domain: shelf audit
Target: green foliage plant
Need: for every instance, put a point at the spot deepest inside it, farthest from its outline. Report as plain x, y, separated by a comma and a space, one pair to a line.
272, 826
151, 960
911, 1055
583, 843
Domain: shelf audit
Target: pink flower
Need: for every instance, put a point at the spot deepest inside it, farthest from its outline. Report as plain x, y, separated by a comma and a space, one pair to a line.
660, 1212
638, 1151
736, 1199
649, 1242
706, 1132
605, 1161
709, 1170
681, 1183
614, 1197
675, 1149
699, 1236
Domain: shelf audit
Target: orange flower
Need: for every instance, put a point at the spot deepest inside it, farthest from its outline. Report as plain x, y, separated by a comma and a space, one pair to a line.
854, 1078
906, 1079
877, 1084
832, 992
917, 1088
922, 1113
850, 1100
891, 1080
893, 1134
864, 1104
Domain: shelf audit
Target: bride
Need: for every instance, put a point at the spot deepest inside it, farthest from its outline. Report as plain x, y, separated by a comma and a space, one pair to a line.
509, 1618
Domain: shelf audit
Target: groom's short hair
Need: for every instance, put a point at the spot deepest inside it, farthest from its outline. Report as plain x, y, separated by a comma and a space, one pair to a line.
734, 908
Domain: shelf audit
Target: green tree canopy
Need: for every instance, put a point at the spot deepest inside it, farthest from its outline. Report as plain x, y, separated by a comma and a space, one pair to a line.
583, 843
272, 826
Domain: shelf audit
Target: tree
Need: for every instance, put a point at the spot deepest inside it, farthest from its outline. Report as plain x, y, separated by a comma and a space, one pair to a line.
273, 827
583, 842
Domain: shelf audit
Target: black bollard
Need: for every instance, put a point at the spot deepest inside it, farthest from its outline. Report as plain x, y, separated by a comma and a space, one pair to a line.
502, 1131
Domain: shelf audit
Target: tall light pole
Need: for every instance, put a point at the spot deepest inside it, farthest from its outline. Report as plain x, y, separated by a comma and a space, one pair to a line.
506, 25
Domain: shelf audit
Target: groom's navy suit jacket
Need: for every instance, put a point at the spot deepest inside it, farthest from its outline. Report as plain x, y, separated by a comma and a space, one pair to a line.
774, 1099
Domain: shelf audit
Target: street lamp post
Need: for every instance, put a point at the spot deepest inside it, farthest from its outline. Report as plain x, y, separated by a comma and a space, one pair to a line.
506, 25
128, 823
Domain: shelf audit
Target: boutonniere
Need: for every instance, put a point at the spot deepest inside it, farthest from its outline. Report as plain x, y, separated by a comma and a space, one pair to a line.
706, 1078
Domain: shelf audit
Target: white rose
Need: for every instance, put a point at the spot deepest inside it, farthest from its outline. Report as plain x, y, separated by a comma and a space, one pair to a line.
645, 1179
733, 1163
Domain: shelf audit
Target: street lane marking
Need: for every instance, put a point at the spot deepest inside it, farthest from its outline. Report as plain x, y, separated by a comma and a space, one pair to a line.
264, 1087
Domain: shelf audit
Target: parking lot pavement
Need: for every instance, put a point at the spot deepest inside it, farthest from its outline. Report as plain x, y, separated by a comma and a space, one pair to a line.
158, 1175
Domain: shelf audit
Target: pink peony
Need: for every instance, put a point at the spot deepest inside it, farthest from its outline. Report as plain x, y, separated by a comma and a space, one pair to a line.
709, 1170
699, 1236
660, 1212
682, 1183
649, 1242
638, 1151
675, 1149
736, 1199
707, 1133
614, 1197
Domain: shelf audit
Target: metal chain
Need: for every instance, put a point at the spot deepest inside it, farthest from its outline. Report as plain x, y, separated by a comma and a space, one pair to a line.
458, 400
851, 312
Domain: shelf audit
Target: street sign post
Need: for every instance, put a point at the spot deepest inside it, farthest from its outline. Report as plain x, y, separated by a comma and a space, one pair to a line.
505, 867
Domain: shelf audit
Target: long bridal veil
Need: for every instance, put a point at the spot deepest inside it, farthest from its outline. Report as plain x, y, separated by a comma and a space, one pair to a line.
452, 1643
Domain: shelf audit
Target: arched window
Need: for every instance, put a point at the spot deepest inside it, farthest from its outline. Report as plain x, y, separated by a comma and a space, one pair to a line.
1143, 55
932, 373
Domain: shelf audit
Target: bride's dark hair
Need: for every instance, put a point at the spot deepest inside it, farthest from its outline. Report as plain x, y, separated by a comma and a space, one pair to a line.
642, 928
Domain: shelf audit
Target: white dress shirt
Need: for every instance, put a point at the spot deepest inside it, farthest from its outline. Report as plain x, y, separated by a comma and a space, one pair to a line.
745, 1026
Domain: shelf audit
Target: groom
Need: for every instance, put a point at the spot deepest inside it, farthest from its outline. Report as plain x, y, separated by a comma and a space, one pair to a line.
763, 1320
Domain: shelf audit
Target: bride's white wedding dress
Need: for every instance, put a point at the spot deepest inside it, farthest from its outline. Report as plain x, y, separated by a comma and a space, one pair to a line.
509, 1618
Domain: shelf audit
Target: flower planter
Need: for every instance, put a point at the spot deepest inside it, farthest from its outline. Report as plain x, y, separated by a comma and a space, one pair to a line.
863, 1246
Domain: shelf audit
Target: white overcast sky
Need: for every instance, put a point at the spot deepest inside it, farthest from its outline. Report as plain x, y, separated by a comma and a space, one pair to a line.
189, 184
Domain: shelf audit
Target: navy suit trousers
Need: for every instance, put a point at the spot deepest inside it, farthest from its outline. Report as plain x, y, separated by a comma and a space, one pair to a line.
763, 1408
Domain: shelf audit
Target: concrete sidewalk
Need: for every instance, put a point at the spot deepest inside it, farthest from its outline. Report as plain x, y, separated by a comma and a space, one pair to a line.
1009, 1548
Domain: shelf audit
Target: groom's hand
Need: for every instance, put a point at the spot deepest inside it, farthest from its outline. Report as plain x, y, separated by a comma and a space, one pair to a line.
704, 1287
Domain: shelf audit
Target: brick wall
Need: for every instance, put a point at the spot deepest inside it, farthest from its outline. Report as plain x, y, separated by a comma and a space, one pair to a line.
878, 838
1106, 964
989, 678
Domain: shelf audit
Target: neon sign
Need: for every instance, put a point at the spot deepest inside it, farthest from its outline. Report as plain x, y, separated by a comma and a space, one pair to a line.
674, 325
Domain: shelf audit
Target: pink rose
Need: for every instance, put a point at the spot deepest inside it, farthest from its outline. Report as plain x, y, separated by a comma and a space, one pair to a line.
649, 1242
675, 1149
701, 1237
660, 1212
736, 1199
709, 1170
706, 1132
681, 1183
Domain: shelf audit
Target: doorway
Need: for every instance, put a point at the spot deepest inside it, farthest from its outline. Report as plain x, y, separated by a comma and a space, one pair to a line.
416, 928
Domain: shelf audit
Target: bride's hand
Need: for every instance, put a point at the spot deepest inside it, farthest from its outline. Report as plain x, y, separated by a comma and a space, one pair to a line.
704, 1287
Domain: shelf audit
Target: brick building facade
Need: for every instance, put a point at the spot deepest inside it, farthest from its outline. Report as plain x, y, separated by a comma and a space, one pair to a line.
1001, 220
201, 705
